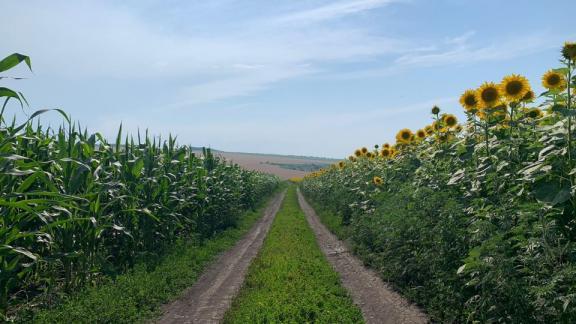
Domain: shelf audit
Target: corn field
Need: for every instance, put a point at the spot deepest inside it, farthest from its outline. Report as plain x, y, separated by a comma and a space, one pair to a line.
75, 207
475, 221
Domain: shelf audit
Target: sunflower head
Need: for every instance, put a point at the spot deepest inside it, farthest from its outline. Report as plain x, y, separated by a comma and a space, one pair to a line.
529, 96
385, 153
341, 164
404, 136
569, 51
488, 95
449, 120
435, 110
358, 153
429, 129
469, 100
458, 128
421, 134
514, 87
364, 150
385, 146
553, 80
352, 158
377, 181
534, 113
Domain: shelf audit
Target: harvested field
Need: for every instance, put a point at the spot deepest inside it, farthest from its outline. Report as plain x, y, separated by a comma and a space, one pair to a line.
274, 164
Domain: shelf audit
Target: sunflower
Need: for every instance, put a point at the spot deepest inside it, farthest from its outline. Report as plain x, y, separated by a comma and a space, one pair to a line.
514, 87
404, 136
450, 120
341, 164
436, 126
553, 80
529, 96
421, 134
488, 95
385, 146
435, 110
385, 153
364, 150
352, 158
429, 129
468, 100
569, 51
458, 128
534, 113
377, 181
443, 138
358, 153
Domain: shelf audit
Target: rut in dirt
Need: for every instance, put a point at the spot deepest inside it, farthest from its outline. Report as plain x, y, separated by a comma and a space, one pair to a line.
377, 301
210, 297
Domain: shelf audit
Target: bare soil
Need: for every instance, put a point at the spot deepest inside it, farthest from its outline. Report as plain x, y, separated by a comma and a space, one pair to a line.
210, 297
258, 162
377, 301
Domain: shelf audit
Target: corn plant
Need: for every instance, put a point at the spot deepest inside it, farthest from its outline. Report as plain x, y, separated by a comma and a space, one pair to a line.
75, 207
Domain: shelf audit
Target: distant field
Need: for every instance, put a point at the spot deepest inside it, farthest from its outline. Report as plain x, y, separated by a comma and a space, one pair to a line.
284, 166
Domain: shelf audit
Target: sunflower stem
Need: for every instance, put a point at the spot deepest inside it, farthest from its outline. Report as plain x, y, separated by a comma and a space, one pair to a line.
568, 106
486, 139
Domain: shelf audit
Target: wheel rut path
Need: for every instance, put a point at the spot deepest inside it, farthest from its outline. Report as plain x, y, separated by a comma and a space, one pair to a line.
377, 301
211, 296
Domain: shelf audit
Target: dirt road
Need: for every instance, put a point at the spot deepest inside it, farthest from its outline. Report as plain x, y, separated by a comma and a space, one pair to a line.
211, 296
378, 303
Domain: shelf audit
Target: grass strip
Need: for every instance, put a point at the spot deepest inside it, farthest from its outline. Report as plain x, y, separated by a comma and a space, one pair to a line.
138, 294
332, 221
290, 280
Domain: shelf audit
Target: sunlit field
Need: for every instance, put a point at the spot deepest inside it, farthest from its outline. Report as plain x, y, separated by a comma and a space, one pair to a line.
473, 219
346, 161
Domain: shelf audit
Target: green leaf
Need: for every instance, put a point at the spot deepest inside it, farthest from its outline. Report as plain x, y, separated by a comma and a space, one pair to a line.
12, 60
20, 250
137, 168
563, 70
5, 92
552, 193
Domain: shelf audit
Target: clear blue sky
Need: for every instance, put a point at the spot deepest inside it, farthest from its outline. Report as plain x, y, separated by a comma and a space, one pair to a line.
310, 77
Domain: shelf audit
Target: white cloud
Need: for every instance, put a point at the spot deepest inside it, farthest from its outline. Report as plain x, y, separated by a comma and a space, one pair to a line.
333, 11
461, 50
83, 40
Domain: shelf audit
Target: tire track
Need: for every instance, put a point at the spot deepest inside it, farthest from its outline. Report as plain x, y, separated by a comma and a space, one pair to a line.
210, 297
378, 302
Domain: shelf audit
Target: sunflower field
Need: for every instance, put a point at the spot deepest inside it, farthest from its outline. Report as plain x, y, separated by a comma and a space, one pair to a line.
75, 208
475, 221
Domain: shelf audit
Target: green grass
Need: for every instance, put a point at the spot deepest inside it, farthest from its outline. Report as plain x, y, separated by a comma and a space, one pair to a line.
137, 295
290, 281
332, 221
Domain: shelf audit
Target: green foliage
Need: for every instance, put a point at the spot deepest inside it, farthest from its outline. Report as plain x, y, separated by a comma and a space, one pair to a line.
477, 228
75, 208
138, 294
290, 281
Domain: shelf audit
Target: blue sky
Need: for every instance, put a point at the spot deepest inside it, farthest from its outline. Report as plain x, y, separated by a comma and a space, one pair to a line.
309, 77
